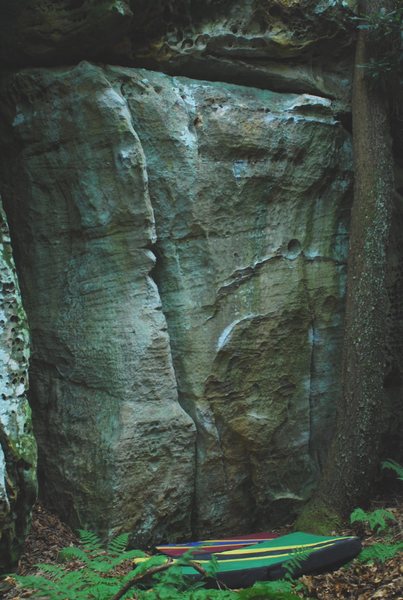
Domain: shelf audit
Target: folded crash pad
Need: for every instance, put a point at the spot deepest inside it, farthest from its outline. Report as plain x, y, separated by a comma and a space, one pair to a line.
272, 559
211, 546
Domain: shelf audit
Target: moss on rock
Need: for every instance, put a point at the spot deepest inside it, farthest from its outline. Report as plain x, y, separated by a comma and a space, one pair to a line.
17, 443
318, 517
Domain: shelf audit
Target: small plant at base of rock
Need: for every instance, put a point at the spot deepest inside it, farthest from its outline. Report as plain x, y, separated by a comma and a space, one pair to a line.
393, 466
376, 520
379, 521
95, 579
380, 552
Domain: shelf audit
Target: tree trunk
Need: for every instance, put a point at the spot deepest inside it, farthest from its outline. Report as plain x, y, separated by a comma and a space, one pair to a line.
353, 457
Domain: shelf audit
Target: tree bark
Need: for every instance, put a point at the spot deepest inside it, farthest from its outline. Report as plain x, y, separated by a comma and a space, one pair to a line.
353, 457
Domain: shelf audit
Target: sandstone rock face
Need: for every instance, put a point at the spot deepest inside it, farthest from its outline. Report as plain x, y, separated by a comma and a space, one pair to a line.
116, 450
129, 192
297, 46
250, 190
17, 444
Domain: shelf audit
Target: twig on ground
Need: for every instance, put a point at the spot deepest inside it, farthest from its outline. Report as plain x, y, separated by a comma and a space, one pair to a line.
137, 578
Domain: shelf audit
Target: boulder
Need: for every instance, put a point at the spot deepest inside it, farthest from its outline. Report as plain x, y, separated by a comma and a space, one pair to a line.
116, 450
141, 202
17, 443
251, 192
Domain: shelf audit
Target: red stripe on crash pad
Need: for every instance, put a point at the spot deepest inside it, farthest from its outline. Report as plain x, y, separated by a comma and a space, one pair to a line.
210, 546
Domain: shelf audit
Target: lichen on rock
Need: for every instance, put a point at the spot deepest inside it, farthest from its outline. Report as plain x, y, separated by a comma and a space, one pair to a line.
17, 444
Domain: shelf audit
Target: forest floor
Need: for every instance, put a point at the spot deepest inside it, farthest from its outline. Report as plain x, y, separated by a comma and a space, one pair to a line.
357, 581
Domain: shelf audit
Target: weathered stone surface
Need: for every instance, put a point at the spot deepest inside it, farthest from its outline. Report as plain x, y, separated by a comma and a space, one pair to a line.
250, 191
283, 45
298, 46
116, 450
51, 32
17, 444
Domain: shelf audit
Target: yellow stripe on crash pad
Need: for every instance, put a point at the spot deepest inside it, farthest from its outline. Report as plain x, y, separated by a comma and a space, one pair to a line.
256, 549
142, 559
268, 556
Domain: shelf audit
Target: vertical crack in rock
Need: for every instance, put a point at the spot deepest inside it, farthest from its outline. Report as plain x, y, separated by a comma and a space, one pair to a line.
160, 276
185, 423
312, 337
312, 334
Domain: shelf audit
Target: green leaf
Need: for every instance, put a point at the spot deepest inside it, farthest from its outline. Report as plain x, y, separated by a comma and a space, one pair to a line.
56, 571
142, 568
293, 565
376, 520
72, 552
394, 466
172, 577
380, 552
118, 544
91, 542
212, 566
101, 566
270, 590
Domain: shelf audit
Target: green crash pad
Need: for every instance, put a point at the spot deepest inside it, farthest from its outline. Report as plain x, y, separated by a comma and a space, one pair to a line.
266, 560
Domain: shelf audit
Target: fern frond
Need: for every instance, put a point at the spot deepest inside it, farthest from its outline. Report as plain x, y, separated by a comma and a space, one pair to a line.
72, 552
208, 595
118, 544
56, 571
142, 568
376, 520
358, 516
73, 580
127, 555
101, 566
90, 541
41, 586
293, 565
172, 578
270, 590
212, 566
380, 552
102, 591
394, 466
